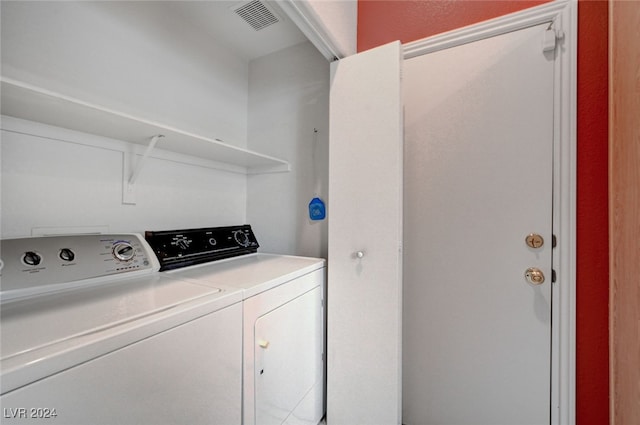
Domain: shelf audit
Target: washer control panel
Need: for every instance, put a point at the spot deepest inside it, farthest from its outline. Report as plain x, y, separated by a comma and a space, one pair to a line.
31, 263
181, 248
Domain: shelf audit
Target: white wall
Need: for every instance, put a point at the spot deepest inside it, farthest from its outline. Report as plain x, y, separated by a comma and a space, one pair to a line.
288, 98
55, 182
130, 56
134, 57
340, 19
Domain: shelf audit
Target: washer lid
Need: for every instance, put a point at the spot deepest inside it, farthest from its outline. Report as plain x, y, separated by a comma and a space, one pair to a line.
51, 332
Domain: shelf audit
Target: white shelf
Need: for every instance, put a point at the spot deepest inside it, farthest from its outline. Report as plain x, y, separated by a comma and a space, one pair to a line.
25, 101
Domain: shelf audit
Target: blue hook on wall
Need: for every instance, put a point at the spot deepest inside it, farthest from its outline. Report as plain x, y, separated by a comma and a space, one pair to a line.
316, 209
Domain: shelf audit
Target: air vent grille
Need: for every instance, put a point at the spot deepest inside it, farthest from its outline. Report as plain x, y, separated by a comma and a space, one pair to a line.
256, 14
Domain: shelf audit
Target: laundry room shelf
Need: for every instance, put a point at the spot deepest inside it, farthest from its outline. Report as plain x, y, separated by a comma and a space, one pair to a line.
25, 101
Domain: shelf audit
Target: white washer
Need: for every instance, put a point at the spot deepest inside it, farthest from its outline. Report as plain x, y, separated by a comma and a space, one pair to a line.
283, 307
92, 333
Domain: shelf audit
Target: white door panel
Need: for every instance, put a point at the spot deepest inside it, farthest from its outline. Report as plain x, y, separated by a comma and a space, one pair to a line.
288, 351
478, 179
364, 294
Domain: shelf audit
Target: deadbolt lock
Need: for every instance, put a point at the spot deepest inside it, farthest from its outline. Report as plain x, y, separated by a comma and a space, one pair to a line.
534, 240
534, 276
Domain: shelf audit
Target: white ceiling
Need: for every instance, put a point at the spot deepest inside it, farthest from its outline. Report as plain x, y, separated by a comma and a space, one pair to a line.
216, 19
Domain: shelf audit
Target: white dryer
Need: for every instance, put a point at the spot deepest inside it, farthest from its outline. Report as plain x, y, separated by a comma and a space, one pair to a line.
283, 310
92, 333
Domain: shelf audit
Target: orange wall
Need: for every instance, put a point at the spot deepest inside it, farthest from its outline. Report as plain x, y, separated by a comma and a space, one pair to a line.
593, 216
382, 21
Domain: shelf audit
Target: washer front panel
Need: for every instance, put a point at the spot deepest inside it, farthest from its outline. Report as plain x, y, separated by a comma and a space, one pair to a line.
177, 376
44, 334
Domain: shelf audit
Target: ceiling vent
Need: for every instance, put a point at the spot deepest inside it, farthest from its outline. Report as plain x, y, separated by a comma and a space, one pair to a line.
256, 14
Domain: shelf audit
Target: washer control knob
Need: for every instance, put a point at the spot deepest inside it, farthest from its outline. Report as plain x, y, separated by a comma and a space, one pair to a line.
123, 251
31, 258
67, 255
213, 242
241, 238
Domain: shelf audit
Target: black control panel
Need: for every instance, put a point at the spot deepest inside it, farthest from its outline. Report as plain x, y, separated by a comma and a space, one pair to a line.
181, 248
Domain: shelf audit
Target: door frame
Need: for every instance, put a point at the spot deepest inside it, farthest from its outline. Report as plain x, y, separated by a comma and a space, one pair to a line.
563, 16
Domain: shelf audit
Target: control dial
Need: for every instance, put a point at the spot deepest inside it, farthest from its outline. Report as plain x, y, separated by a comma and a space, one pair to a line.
182, 242
241, 238
66, 254
31, 258
123, 251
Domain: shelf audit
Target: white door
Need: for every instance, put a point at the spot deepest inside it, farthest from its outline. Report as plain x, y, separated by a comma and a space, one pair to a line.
364, 292
288, 362
478, 180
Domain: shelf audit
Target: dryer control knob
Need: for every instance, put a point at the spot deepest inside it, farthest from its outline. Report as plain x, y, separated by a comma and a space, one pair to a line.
241, 238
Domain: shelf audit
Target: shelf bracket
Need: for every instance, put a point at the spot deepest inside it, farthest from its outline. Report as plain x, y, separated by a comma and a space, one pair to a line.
129, 177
